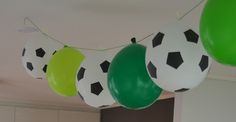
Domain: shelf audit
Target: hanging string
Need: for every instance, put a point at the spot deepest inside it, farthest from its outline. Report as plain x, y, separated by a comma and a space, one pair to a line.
82, 48
115, 47
110, 48
38, 28
190, 10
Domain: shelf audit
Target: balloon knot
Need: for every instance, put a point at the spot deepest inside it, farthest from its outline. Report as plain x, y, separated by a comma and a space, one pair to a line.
133, 40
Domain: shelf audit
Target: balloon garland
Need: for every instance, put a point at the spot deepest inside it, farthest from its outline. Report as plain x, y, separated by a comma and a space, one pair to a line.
174, 60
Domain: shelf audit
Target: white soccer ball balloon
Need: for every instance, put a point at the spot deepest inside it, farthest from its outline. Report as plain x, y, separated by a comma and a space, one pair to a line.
36, 54
92, 79
176, 59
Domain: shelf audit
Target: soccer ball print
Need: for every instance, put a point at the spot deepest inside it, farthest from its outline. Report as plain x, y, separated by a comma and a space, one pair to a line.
176, 59
92, 79
37, 53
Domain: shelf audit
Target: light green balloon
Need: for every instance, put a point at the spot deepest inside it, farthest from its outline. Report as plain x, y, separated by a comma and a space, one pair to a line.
61, 71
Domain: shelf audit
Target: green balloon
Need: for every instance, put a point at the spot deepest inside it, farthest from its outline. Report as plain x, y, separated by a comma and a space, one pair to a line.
218, 30
128, 79
61, 71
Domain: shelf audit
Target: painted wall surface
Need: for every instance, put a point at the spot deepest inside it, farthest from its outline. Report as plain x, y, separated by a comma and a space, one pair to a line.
72, 116
212, 101
18, 114
6, 114
35, 115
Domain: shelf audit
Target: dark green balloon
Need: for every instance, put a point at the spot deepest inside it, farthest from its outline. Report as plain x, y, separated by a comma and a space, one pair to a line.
128, 79
218, 30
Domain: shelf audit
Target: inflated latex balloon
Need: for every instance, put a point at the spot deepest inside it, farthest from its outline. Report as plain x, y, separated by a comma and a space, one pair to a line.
218, 30
128, 80
92, 79
62, 70
176, 59
37, 53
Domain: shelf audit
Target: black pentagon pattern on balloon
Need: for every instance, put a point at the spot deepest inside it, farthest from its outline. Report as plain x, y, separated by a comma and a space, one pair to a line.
80, 74
40, 52
103, 106
96, 88
105, 66
174, 59
81, 96
191, 36
45, 68
157, 39
182, 90
204, 62
23, 52
152, 70
29, 66
54, 52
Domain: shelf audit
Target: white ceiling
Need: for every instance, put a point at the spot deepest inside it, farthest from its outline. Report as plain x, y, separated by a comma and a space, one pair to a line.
83, 23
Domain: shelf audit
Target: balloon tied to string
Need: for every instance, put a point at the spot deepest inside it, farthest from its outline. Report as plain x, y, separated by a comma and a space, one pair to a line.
121, 77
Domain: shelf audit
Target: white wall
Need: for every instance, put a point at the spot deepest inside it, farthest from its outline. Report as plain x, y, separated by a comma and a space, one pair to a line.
72, 116
18, 114
212, 101
35, 115
6, 114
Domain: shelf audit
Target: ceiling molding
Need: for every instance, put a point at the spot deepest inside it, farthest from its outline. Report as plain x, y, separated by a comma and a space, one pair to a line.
85, 108
21, 104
